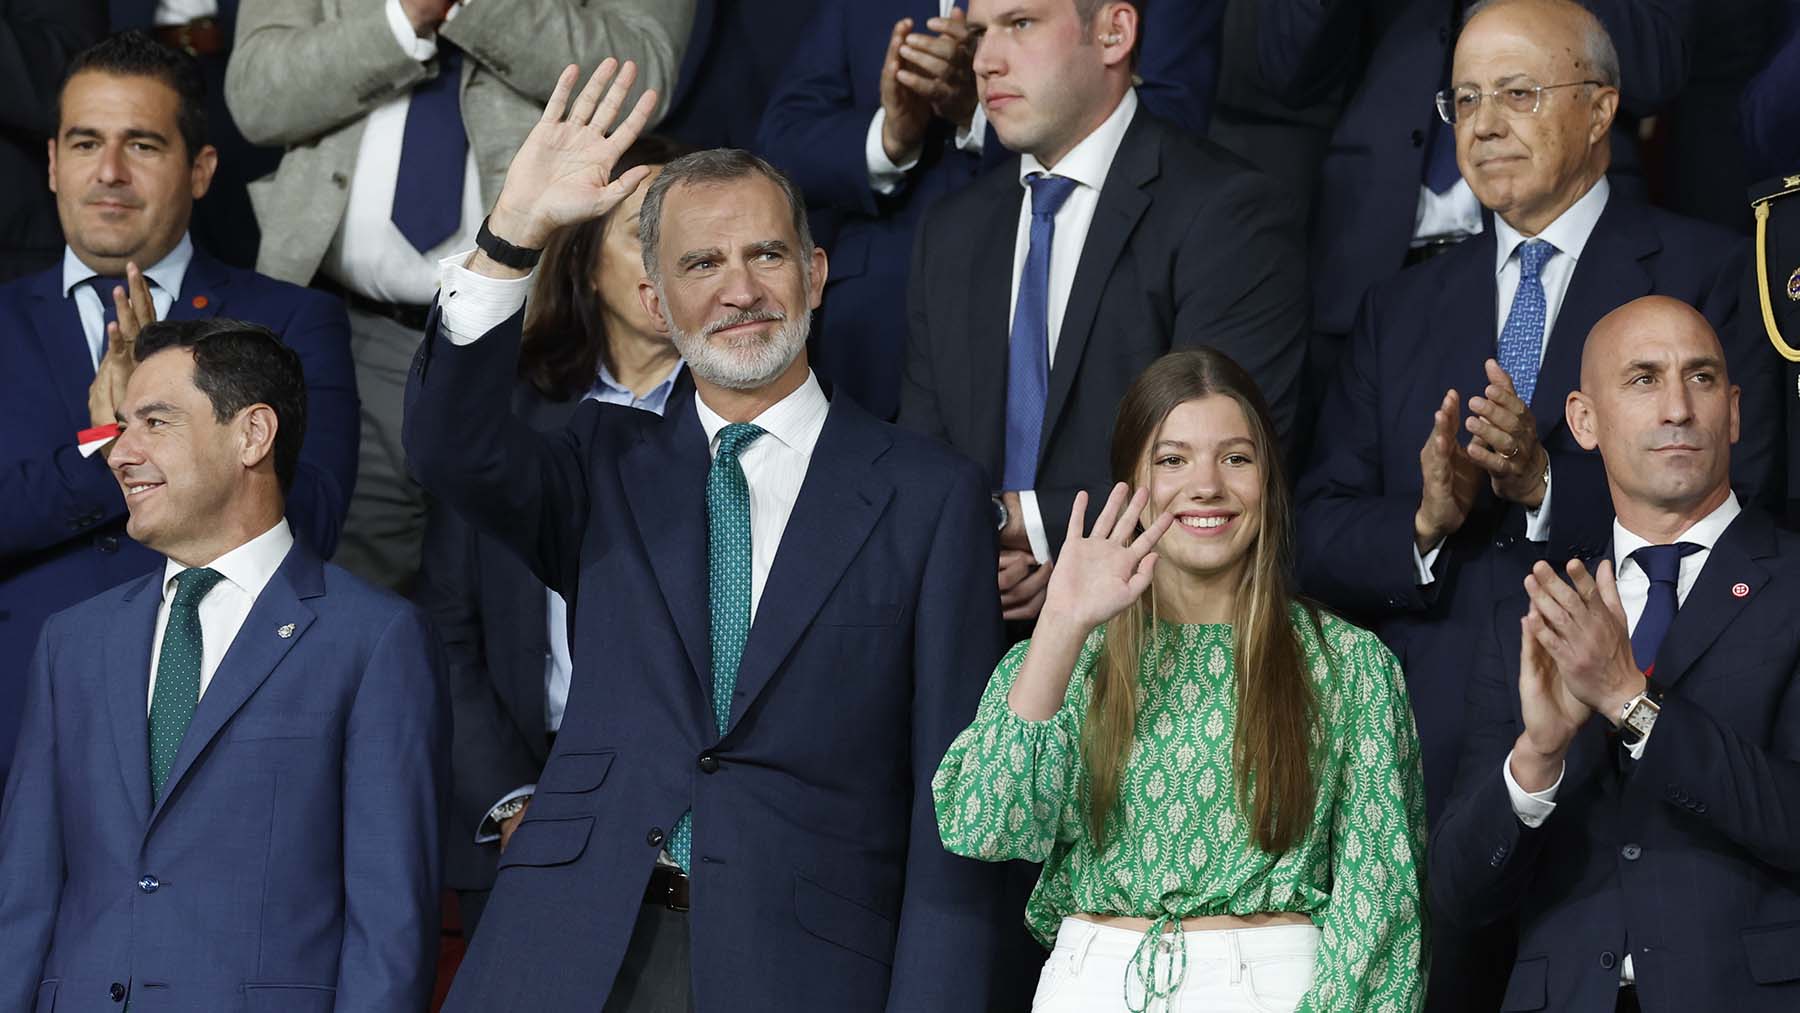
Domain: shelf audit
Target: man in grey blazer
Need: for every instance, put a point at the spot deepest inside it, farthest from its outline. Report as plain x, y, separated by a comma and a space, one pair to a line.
399, 118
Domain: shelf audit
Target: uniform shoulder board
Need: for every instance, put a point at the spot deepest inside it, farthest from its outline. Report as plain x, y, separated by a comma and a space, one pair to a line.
1778, 260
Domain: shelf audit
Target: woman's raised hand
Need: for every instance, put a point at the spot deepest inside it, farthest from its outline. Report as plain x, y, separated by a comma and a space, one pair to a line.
1100, 573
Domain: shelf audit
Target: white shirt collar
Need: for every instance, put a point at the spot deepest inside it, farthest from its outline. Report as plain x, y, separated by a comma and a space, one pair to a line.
1568, 233
250, 566
795, 420
166, 274
1088, 162
1704, 532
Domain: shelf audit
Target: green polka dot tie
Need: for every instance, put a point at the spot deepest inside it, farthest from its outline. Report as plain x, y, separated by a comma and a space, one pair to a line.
728, 572
177, 674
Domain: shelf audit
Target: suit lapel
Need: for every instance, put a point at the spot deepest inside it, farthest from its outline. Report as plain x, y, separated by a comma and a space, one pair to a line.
56, 327
204, 289
1714, 602
664, 475
988, 334
253, 654
127, 688
1122, 204
839, 503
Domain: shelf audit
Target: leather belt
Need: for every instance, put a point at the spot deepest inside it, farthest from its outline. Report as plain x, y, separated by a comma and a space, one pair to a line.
408, 315
668, 888
199, 37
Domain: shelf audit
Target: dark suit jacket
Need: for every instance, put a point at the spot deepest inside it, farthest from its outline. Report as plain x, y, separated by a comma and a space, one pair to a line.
1188, 246
735, 53
490, 615
1687, 858
62, 517
37, 39
292, 862
817, 869
1428, 330
816, 128
1393, 56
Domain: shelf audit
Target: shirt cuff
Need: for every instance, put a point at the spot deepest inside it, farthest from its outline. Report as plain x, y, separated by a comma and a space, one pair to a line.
1033, 519
470, 304
1531, 807
1537, 522
974, 139
1422, 564
415, 47
884, 176
489, 830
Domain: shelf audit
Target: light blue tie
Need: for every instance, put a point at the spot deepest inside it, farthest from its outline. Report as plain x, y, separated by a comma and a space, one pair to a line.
728, 571
1028, 355
1522, 339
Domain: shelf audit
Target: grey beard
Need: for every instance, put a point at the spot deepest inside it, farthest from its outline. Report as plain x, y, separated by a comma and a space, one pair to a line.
748, 366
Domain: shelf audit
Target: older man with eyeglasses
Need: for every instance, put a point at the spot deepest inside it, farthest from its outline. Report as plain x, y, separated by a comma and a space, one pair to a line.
1442, 468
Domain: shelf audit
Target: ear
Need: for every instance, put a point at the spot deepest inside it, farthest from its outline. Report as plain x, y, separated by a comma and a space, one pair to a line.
52, 144
1117, 33
1578, 411
652, 303
1735, 391
1605, 107
820, 270
257, 426
201, 173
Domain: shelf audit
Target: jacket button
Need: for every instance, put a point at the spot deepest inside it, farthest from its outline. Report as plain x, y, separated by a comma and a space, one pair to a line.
149, 884
1608, 959
117, 992
709, 764
1630, 852
1418, 138
340, 180
107, 543
654, 838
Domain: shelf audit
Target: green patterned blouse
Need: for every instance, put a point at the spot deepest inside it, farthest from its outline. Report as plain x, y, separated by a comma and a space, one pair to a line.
1178, 845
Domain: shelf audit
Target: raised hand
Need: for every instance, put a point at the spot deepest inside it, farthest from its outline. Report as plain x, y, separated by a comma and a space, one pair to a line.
908, 113
135, 311
1450, 479
1505, 443
1100, 573
1585, 635
941, 67
563, 173
1552, 714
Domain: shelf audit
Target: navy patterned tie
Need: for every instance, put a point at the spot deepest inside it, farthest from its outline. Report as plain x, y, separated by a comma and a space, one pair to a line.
729, 583
434, 152
109, 310
1662, 564
1522, 339
177, 691
1028, 357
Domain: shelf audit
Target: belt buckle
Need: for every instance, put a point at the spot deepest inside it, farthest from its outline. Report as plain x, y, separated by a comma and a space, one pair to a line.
673, 892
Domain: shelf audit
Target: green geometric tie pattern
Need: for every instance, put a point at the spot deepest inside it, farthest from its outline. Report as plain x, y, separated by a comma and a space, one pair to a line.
177, 674
728, 575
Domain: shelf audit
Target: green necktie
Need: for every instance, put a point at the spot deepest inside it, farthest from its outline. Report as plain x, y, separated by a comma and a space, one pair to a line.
728, 575
177, 674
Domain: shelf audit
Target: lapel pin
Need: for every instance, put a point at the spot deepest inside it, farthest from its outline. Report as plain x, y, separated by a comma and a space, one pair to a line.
200, 302
288, 630
1740, 590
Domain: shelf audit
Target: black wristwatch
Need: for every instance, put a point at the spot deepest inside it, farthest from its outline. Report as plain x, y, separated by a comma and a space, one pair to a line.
503, 252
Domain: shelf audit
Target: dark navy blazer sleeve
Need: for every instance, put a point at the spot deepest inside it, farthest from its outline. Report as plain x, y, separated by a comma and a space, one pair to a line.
31, 838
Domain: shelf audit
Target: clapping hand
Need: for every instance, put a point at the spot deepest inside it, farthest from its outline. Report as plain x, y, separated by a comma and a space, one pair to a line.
940, 68
135, 311
1584, 633
1449, 479
1505, 443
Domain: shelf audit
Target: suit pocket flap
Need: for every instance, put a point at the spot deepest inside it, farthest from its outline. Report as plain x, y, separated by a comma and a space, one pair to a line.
1526, 989
838, 919
548, 842
1773, 952
575, 772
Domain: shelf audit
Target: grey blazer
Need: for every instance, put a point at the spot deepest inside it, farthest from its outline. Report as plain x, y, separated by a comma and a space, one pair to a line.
305, 73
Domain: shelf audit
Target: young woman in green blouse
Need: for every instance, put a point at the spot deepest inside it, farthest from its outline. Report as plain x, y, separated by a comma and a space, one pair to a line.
1221, 781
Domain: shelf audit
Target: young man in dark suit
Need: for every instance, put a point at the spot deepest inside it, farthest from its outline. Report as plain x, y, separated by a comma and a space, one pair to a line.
228, 786
776, 630
128, 160
1039, 293
1631, 775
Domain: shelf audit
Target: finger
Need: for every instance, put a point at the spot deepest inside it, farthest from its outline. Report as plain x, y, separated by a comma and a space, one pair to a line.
1495, 440
1027, 589
1608, 583
1143, 575
1028, 610
1127, 524
1498, 376
928, 88
1496, 410
121, 297
115, 343
1109, 514
143, 307
1581, 580
954, 28
627, 133
925, 60
559, 95
582, 109
1153, 534
1077, 514
1487, 460
614, 100
621, 188
1543, 600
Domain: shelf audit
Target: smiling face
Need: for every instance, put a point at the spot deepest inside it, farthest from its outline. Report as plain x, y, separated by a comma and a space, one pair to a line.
1044, 80
125, 184
1530, 167
1204, 466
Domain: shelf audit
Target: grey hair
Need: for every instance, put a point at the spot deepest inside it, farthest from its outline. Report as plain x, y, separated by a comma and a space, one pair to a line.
716, 165
1601, 57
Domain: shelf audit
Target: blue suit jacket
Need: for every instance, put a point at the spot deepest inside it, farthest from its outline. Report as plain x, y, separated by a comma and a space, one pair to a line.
1428, 330
62, 517
817, 870
735, 54
816, 127
1688, 858
292, 863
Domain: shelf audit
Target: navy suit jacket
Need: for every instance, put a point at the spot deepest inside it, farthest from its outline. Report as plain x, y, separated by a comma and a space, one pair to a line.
1393, 56
292, 862
62, 517
1688, 858
816, 128
817, 870
735, 53
1428, 330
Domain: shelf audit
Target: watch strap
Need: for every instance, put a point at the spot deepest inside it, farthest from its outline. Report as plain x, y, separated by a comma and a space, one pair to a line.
503, 252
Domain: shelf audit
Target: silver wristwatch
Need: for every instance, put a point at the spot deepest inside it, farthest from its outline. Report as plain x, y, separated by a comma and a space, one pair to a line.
508, 809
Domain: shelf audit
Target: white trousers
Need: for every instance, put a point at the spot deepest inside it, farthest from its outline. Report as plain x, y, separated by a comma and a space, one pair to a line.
1260, 970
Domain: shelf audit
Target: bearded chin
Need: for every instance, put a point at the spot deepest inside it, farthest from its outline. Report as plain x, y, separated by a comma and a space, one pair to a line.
749, 366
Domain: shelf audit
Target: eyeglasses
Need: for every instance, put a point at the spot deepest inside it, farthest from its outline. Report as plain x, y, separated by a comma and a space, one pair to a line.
1521, 98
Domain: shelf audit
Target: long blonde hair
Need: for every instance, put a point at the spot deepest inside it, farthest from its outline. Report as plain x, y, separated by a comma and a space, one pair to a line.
1276, 710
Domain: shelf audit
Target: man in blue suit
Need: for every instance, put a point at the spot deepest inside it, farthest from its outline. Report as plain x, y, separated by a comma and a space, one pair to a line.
128, 161
228, 787
877, 118
778, 622
1631, 778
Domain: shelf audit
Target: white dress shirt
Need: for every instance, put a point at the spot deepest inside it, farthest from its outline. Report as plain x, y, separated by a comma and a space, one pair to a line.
1533, 808
1569, 233
1448, 215
180, 12
884, 176
369, 255
164, 278
247, 570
